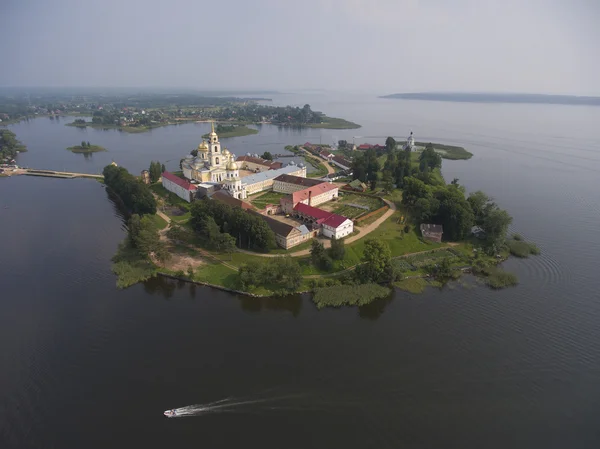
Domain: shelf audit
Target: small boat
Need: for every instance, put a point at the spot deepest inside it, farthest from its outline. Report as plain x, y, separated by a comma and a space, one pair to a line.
170, 413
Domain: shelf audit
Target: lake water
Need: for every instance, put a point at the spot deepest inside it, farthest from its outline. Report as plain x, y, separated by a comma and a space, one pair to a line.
83, 364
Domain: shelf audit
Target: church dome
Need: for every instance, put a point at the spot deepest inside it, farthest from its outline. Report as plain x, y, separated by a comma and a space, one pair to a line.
203, 146
232, 166
226, 152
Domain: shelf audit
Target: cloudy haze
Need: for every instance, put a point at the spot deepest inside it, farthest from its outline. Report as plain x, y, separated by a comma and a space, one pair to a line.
385, 46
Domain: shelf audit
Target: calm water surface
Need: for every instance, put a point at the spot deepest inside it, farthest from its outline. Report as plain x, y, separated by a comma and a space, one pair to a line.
83, 364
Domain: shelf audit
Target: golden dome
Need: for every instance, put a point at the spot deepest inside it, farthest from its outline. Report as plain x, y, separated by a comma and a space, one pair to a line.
232, 166
226, 151
203, 146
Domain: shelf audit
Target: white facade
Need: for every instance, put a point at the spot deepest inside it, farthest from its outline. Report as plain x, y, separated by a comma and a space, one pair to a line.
182, 192
346, 228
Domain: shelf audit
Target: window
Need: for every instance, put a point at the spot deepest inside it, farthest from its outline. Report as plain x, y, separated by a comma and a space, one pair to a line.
215, 150
217, 160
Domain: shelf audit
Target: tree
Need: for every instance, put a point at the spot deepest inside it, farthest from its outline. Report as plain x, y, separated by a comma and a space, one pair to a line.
376, 259
155, 171
162, 169
88, 144
342, 144
190, 272
83, 144
338, 249
267, 155
226, 243
194, 152
387, 181
143, 236
430, 158
390, 145
317, 251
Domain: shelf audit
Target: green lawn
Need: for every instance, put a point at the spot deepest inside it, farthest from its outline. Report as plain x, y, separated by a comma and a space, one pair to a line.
159, 222
216, 273
268, 198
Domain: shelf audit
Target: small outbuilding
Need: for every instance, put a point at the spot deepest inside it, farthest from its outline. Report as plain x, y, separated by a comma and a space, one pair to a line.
432, 232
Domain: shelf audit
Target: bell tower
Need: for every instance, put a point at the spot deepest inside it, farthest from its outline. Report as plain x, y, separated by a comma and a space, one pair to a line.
216, 158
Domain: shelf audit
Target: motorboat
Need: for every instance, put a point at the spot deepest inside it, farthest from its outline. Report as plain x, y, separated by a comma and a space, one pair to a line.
170, 413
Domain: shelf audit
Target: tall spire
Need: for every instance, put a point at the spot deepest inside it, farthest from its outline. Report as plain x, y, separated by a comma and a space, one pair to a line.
212, 126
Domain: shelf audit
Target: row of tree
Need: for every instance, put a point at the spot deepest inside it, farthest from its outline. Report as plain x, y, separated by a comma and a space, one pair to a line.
156, 170
250, 231
136, 195
9, 145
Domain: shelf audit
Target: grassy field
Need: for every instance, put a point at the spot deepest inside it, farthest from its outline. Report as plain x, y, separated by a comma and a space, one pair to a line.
343, 205
90, 149
373, 218
270, 197
159, 222
334, 123
236, 131
448, 151
412, 285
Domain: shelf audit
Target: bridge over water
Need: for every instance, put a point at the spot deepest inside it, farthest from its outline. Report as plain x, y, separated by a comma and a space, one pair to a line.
58, 174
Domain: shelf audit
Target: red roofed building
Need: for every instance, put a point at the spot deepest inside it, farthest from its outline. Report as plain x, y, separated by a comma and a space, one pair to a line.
365, 146
179, 186
342, 162
331, 225
312, 196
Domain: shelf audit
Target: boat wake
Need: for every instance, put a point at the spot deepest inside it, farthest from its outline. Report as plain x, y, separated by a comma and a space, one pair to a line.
231, 404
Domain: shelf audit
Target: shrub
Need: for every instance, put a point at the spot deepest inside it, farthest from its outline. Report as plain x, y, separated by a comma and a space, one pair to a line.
350, 295
497, 279
517, 237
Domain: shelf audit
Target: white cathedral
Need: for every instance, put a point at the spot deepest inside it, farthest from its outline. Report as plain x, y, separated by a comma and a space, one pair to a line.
215, 166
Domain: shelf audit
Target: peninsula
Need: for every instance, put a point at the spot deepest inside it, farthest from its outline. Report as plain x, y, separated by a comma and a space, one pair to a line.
498, 98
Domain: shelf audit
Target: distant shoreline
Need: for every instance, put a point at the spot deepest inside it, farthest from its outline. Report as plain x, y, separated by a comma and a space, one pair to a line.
498, 98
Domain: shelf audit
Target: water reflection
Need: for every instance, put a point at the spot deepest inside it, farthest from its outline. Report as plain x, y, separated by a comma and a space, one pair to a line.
291, 303
160, 285
375, 309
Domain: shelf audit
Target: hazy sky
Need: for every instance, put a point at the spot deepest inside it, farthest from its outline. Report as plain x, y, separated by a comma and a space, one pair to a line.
385, 46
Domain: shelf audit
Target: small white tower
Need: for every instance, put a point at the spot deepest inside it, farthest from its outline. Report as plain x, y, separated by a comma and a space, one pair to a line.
410, 142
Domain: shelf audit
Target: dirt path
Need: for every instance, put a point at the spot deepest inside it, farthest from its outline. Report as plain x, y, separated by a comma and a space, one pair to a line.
190, 260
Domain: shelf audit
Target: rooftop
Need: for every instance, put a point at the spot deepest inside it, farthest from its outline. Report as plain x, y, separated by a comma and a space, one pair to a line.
320, 215
269, 174
226, 198
319, 189
298, 180
179, 181
431, 228
276, 226
256, 160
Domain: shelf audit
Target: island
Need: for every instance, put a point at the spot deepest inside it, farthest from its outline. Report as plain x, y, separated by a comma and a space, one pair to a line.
467, 97
86, 147
233, 131
394, 223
